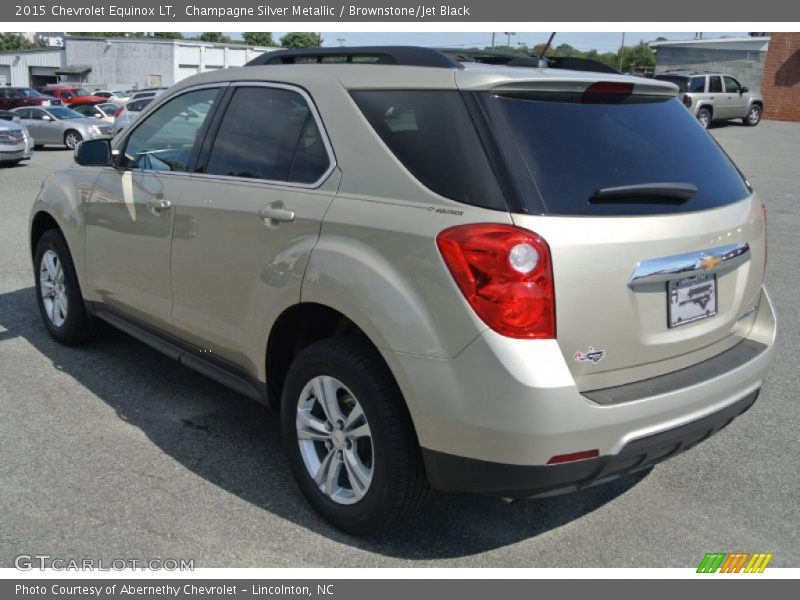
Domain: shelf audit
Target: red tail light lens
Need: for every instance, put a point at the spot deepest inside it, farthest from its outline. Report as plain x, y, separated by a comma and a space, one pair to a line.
687, 100
118, 112
609, 87
505, 273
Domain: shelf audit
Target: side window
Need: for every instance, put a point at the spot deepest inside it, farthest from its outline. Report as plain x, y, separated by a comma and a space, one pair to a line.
268, 133
697, 85
36, 114
24, 113
165, 140
714, 84
731, 85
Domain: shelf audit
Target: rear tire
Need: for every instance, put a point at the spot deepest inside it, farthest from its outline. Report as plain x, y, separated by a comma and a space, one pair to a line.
753, 117
58, 293
704, 116
38, 146
378, 476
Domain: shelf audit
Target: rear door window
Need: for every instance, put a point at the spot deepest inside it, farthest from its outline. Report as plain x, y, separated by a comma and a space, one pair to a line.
270, 134
697, 85
714, 84
572, 147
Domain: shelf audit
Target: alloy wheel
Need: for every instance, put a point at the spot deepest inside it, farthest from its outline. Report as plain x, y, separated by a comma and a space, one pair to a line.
53, 288
335, 440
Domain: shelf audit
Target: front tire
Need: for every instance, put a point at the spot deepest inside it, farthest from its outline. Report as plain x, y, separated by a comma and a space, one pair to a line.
58, 294
753, 117
349, 438
704, 116
72, 138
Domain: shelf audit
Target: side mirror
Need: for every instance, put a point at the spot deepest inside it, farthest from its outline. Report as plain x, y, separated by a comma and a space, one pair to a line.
93, 153
744, 90
47, 118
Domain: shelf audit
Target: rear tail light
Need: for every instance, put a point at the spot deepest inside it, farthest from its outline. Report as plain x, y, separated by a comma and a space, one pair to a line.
687, 100
118, 112
505, 274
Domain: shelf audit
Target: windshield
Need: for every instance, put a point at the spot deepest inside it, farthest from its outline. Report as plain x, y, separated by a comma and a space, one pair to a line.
572, 146
62, 113
30, 93
81, 92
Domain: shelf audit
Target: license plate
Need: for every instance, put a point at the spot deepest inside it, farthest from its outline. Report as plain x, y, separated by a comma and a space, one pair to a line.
691, 299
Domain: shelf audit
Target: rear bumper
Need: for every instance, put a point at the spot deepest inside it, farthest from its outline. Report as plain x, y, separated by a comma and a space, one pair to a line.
491, 418
458, 474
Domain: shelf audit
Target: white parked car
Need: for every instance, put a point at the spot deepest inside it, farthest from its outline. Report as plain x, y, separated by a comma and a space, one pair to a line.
126, 114
117, 96
16, 143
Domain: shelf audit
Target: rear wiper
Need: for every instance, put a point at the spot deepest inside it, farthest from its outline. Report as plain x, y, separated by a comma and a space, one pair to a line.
646, 193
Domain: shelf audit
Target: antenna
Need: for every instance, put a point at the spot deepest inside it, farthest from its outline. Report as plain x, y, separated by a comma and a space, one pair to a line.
542, 59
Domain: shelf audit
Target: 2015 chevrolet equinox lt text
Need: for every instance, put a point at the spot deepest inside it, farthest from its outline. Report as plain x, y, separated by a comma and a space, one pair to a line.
496, 279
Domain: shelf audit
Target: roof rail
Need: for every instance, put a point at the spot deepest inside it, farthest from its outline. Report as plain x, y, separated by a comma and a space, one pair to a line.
412, 56
418, 56
516, 60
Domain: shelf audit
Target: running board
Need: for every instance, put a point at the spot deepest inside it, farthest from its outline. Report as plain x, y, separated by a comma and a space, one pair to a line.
218, 369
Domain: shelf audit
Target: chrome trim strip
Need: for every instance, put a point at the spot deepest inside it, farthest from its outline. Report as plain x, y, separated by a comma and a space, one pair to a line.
669, 268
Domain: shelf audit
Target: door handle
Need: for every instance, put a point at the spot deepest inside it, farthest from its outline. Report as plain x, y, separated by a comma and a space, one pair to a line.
156, 206
275, 213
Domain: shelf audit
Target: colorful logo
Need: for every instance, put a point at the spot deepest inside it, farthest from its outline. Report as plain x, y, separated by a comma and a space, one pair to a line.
734, 562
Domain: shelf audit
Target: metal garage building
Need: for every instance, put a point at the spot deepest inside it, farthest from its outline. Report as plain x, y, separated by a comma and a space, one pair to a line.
121, 63
742, 57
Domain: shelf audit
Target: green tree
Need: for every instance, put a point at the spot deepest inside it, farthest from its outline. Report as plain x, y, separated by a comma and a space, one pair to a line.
258, 38
168, 35
215, 37
639, 56
14, 41
301, 39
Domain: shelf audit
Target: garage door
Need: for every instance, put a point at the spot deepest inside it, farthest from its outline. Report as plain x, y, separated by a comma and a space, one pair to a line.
5, 74
185, 71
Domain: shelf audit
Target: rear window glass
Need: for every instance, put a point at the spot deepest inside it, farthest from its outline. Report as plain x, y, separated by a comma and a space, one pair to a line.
431, 133
572, 149
678, 80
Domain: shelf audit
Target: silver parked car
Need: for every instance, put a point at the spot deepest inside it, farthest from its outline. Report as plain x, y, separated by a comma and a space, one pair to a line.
61, 126
716, 97
125, 115
16, 143
488, 278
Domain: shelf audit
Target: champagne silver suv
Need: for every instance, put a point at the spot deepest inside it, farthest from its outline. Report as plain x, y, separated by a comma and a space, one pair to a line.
716, 97
491, 278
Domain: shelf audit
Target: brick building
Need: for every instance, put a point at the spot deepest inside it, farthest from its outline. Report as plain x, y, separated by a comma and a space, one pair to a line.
781, 82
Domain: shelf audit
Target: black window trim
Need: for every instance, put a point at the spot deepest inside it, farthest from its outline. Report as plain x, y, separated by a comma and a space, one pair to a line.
211, 134
118, 148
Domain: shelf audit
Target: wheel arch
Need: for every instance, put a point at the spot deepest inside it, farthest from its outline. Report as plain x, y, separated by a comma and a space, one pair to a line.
296, 328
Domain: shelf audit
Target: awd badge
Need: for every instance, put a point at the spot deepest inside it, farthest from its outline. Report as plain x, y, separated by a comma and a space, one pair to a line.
592, 355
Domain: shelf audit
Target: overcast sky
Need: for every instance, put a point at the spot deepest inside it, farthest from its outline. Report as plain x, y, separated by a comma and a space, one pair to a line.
583, 41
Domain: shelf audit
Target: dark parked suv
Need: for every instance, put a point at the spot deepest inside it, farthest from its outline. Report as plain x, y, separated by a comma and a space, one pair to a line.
14, 97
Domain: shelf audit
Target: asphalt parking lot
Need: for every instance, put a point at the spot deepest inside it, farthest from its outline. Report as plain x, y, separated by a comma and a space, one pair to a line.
112, 450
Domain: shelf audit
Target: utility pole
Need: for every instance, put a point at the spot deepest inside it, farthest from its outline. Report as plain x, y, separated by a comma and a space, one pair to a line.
621, 50
493, 34
508, 39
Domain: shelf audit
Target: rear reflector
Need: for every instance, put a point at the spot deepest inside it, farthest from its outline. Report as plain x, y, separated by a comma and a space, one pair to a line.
687, 100
565, 458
